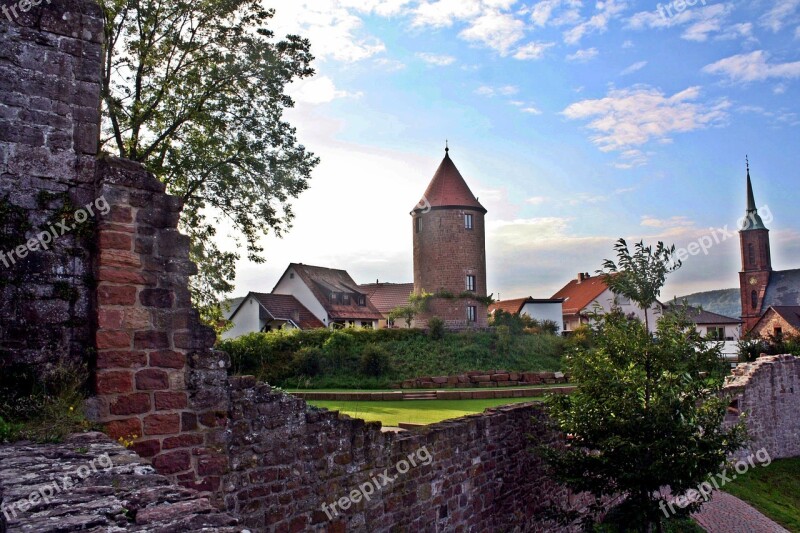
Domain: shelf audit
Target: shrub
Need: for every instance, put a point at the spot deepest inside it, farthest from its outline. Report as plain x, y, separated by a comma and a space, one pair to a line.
374, 360
436, 328
8, 431
307, 361
339, 348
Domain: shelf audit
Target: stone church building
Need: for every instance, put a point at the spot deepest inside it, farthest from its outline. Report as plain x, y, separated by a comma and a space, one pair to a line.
770, 298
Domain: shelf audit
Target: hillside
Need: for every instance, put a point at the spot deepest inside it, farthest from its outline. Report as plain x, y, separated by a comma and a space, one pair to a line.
724, 301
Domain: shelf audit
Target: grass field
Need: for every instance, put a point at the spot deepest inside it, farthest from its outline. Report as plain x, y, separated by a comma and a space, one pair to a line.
774, 490
292, 390
414, 411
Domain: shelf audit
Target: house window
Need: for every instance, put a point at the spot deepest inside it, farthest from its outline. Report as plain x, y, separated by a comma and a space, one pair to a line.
751, 254
418, 224
468, 221
291, 276
472, 313
718, 334
470, 283
754, 300
362, 300
346, 299
623, 300
779, 332
366, 325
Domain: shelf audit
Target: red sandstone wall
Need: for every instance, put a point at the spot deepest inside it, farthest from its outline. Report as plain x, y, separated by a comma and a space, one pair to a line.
288, 460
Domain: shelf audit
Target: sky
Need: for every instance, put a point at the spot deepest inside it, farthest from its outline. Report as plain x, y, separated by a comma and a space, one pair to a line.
574, 122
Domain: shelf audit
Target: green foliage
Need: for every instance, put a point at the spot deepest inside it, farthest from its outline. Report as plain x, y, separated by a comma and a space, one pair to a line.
405, 312
374, 360
436, 328
307, 361
751, 348
640, 276
43, 408
412, 353
196, 91
647, 413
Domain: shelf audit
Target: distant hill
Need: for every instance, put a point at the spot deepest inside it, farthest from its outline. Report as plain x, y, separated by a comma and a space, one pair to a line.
724, 301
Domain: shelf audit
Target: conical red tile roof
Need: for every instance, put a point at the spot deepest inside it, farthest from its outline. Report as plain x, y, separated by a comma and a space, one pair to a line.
448, 189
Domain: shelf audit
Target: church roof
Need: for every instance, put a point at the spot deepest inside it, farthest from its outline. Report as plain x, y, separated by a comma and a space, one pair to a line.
753, 220
783, 288
448, 189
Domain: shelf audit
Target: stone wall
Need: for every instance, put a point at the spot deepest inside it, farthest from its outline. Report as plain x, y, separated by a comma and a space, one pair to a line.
288, 460
485, 378
158, 380
768, 391
49, 121
90, 483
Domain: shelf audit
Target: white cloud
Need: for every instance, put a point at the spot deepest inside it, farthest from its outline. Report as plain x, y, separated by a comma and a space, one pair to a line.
779, 89
531, 110
317, 90
632, 117
532, 50
543, 10
627, 44
536, 200
489, 91
438, 60
639, 65
781, 13
606, 11
653, 222
583, 55
700, 22
390, 65
753, 67
496, 30
334, 30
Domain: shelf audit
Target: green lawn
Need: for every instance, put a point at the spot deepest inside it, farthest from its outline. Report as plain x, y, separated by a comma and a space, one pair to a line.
292, 390
391, 413
774, 490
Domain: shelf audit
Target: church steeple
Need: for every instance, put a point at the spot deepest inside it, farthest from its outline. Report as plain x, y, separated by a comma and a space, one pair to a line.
752, 219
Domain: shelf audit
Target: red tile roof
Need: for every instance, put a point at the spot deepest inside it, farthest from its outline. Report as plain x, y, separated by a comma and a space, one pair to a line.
509, 306
323, 281
286, 307
448, 189
579, 294
387, 296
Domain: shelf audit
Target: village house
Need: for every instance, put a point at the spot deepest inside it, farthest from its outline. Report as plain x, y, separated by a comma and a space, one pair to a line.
587, 294
386, 297
260, 312
537, 308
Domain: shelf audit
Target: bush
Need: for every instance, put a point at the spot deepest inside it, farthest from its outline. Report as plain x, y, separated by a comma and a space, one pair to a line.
374, 361
307, 361
8, 431
436, 328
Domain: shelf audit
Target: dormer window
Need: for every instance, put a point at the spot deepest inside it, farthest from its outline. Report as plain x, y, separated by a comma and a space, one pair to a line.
468, 221
346, 299
362, 300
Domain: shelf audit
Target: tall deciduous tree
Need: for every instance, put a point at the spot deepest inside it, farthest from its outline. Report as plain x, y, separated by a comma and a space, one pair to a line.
195, 90
641, 275
648, 410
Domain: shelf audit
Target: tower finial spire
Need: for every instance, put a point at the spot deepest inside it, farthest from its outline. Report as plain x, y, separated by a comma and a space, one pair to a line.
747, 163
446, 146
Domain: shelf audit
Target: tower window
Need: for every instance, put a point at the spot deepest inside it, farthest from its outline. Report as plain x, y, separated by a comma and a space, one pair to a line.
417, 224
751, 254
468, 221
472, 313
470, 283
754, 300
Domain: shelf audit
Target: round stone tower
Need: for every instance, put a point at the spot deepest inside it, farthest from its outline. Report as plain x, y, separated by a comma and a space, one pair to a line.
450, 251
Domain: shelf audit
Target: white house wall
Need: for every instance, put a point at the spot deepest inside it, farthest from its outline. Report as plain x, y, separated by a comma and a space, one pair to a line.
295, 287
606, 302
245, 320
545, 311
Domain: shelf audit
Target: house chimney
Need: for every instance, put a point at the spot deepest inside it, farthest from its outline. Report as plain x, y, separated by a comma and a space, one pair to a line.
580, 277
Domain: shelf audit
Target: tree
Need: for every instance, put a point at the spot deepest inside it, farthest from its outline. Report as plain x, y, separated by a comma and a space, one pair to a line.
196, 92
406, 312
647, 413
640, 276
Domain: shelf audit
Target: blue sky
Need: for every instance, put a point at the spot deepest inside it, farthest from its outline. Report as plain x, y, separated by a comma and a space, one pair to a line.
574, 122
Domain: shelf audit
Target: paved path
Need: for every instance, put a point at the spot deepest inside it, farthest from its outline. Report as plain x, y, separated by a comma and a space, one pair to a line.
728, 514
